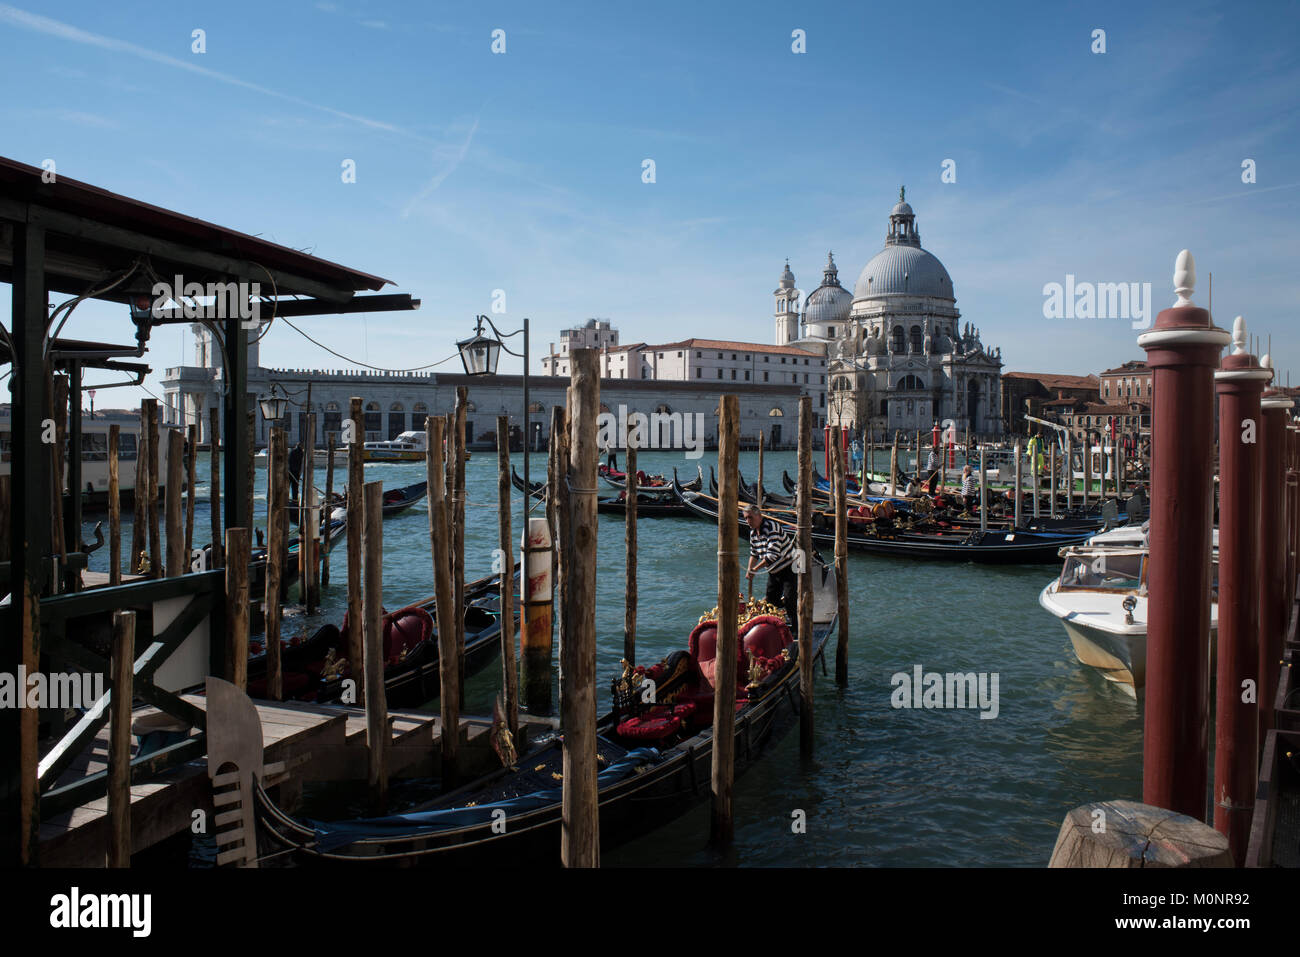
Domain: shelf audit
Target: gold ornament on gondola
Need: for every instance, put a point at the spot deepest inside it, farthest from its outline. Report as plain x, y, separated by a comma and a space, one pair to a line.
752, 608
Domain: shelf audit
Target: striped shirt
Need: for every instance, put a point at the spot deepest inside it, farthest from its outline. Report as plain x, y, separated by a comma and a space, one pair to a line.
970, 485
773, 543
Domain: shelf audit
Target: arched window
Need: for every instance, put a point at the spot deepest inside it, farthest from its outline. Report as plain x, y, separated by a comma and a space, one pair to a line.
331, 406
419, 415
535, 407
910, 383
897, 336
373, 418
775, 411
396, 420
915, 337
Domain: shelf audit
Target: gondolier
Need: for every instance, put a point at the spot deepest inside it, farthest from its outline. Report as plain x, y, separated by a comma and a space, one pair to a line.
772, 547
934, 466
970, 488
295, 471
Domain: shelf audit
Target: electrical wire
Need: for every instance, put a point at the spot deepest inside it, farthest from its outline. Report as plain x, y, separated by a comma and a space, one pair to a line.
359, 363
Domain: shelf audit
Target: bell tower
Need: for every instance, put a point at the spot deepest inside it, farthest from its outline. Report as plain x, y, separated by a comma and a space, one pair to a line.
787, 308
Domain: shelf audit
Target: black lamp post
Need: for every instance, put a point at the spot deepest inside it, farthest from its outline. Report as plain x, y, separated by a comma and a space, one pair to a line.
479, 355
273, 405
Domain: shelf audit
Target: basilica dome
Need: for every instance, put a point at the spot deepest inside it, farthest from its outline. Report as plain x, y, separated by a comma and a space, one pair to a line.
903, 268
829, 302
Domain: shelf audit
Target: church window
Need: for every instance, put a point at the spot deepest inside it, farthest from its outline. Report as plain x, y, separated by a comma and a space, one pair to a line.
765, 376
830, 333
719, 373
916, 338
897, 336
746, 375
733, 375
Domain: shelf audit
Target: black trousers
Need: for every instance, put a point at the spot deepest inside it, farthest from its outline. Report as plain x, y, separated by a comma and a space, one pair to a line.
783, 590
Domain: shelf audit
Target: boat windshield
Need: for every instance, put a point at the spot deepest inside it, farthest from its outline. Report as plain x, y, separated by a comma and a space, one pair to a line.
1119, 570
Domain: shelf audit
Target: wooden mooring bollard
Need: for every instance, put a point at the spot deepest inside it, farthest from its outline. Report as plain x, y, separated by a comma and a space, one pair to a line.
356, 452
629, 601
842, 561
177, 559
114, 508
119, 740
722, 828
580, 841
445, 597
277, 533
804, 545
214, 490
509, 672
237, 559
377, 731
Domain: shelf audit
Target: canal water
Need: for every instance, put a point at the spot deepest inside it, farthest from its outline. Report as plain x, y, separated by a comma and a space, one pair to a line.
887, 786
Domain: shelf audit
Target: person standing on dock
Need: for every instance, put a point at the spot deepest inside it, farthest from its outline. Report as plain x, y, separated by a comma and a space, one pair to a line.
771, 546
295, 471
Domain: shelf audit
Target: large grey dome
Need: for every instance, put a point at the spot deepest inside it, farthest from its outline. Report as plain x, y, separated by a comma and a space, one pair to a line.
901, 270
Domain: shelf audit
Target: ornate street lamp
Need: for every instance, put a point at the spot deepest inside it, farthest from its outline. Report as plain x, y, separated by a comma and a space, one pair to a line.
273, 405
479, 353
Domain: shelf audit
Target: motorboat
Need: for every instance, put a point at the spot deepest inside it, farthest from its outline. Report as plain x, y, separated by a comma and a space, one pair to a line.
1101, 599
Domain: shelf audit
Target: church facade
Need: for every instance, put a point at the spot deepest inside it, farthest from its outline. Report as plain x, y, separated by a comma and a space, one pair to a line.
897, 355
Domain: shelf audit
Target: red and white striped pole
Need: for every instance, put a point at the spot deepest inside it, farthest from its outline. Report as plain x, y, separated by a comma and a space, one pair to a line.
1183, 351
1239, 384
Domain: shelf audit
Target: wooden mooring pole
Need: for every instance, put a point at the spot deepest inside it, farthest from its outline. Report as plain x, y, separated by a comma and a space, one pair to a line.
509, 671
151, 499
842, 564
629, 601
445, 597
326, 515
191, 499
308, 535
214, 482
805, 575
722, 829
1051, 465
1239, 384
176, 555
277, 532
758, 488
1182, 350
1069, 472
377, 733
580, 844
458, 521
356, 453
119, 740
140, 493
114, 507
237, 559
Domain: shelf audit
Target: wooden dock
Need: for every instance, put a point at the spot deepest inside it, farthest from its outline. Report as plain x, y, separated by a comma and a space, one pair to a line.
312, 742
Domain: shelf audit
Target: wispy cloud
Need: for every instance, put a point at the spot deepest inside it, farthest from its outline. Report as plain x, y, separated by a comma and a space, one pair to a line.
448, 158
81, 118
65, 31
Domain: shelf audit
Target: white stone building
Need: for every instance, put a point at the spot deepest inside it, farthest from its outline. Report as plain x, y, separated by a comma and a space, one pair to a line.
897, 356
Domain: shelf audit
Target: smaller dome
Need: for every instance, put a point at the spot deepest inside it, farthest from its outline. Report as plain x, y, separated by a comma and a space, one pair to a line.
902, 209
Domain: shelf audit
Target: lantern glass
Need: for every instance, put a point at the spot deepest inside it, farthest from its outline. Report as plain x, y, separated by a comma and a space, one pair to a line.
479, 355
273, 407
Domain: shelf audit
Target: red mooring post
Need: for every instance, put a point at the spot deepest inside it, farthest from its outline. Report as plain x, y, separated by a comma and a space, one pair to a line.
1273, 546
1182, 350
1239, 383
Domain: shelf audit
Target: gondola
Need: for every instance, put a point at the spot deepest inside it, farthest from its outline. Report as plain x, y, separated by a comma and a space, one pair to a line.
652, 502
653, 766
313, 671
993, 546
395, 500
619, 479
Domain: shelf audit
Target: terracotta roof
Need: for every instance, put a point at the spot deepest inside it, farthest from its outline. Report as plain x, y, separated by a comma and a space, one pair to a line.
1133, 366
1052, 380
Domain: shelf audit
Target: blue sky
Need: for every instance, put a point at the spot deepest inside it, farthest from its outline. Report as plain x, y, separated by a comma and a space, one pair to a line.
522, 171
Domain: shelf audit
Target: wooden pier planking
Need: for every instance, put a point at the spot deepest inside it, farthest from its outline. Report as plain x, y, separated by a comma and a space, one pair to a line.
315, 742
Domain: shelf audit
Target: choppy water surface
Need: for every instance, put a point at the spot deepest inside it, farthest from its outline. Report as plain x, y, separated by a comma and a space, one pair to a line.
887, 787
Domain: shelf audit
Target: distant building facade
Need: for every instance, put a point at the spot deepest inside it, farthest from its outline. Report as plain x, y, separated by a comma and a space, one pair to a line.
897, 355
1027, 392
